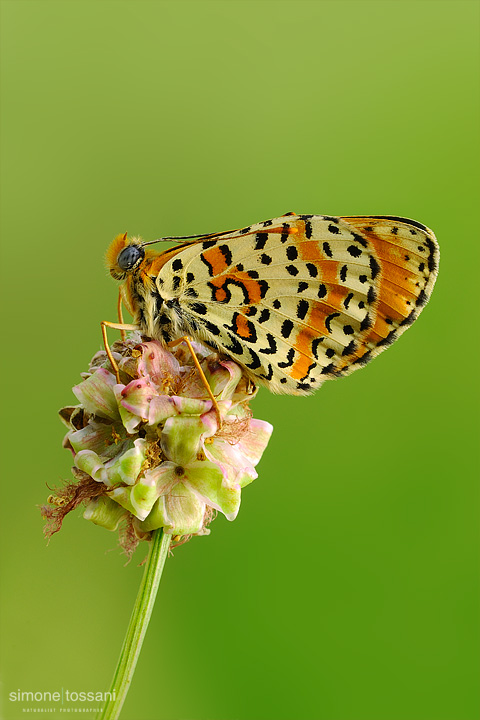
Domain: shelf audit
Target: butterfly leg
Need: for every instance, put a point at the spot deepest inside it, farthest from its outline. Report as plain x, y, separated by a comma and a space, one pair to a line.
116, 326
188, 343
120, 315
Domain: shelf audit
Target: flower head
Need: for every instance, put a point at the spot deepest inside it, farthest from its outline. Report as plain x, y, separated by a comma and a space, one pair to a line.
149, 453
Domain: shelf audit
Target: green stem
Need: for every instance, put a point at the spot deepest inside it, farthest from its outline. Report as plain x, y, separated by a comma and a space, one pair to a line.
137, 627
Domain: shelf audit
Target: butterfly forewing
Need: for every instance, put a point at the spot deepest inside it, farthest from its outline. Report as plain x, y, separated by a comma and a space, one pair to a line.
301, 299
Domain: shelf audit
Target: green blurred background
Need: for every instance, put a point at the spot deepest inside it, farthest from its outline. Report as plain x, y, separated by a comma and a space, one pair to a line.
358, 598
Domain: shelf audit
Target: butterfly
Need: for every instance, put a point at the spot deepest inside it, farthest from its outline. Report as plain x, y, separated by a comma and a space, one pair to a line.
295, 301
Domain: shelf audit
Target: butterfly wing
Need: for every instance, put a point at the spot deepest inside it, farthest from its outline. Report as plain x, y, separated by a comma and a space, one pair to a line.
304, 298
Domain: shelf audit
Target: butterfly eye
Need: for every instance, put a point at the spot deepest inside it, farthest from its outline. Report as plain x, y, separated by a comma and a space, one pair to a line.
130, 257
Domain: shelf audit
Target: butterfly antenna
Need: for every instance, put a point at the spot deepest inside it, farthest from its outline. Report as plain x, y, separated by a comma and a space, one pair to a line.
178, 238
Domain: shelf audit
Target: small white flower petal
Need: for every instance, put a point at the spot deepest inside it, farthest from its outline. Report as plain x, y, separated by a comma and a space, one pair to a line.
136, 397
96, 394
124, 468
130, 420
91, 463
181, 438
94, 436
237, 470
104, 512
164, 476
205, 479
161, 408
253, 443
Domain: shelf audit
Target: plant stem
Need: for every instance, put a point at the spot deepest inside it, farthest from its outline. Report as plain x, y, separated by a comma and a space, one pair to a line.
159, 545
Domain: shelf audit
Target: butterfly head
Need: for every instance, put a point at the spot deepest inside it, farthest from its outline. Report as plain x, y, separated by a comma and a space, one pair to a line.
124, 256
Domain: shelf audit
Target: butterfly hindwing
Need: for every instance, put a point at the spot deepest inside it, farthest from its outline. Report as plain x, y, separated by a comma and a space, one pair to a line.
301, 299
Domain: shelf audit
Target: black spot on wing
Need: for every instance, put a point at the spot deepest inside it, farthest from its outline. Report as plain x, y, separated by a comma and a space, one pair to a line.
391, 337
264, 288
409, 319
286, 329
366, 323
190, 292
315, 344
302, 309
289, 361
331, 218
358, 238
227, 254
354, 251
255, 363
269, 374
350, 348
310, 368
272, 346
198, 308
214, 329
371, 295
260, 240
327, 249
374, 267
329, 319
328, 369
177, 264
235, 347
364, 359
432, 265
422, 298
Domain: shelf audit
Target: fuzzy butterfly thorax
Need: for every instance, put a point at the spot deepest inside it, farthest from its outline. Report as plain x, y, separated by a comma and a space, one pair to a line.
295, 300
